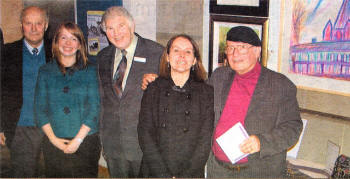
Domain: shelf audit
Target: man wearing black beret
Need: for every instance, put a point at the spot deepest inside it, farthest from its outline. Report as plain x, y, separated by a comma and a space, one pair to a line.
262, 100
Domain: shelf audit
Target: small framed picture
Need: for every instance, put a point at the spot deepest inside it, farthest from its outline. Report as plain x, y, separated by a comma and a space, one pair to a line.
240, 7
221, 24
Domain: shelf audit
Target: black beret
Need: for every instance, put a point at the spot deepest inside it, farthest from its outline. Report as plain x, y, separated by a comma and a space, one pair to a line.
243, 34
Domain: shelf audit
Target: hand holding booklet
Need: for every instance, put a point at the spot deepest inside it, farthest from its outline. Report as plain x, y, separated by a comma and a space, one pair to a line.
230, 141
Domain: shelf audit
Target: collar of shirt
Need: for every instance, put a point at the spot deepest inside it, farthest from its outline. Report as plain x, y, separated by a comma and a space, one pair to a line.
130, 51
252, 74
30, 48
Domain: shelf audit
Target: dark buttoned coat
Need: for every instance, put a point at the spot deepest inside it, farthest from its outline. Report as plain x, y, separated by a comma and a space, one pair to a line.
273, 115
119, 116
175, 128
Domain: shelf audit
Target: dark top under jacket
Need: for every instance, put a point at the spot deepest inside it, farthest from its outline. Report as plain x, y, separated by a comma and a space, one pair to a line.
175, 128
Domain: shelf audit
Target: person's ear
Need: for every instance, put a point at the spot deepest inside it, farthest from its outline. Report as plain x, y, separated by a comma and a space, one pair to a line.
257, 52
46, 26
194, 61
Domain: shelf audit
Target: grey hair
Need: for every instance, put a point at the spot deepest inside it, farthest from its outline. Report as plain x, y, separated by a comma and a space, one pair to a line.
41, 10
117, 11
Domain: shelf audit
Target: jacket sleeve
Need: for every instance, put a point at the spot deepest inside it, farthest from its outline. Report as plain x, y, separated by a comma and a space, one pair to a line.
147, 136
41, 106
1, 59
288, 124
92, 102
201, 153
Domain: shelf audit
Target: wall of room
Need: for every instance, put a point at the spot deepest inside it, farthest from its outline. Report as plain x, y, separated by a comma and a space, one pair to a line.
327, 114
332, 117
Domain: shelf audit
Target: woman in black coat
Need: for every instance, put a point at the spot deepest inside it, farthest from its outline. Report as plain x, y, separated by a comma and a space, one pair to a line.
177, 114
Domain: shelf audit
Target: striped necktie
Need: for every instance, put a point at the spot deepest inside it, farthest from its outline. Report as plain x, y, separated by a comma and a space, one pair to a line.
35, 51
119, 75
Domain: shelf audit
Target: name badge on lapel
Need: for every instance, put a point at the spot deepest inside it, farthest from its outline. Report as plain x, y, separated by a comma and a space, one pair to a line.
140, 59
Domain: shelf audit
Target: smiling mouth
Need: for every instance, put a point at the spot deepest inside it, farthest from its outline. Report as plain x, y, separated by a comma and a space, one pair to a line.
67, 49
118, 39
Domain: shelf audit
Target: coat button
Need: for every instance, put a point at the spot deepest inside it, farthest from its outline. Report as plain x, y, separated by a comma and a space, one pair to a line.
188, 96
66, 110
166, 110
163, 125
185, 129
65, 89
187, 113
167, 93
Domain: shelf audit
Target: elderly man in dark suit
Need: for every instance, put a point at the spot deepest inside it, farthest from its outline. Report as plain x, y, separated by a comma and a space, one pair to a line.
19, 71
121, 67
262, 100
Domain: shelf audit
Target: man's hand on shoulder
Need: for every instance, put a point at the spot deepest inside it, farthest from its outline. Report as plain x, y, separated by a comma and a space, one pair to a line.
2, 139
147, 79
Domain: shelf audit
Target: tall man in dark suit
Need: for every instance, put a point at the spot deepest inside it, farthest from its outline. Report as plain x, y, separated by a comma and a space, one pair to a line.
121, 67
19, 70
262, 100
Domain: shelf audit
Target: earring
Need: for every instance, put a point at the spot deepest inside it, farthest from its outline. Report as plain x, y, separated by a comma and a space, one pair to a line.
192, 67
168, 65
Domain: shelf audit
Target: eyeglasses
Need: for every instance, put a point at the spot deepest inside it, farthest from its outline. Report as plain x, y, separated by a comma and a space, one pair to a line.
241, 48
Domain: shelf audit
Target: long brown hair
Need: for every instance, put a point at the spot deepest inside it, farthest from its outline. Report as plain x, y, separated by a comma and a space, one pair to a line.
81, 54
198, 73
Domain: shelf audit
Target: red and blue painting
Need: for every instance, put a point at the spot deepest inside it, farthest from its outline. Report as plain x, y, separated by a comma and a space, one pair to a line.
320, 39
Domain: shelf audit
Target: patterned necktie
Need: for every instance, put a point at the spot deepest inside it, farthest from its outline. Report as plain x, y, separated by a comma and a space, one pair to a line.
35, 51
119, 75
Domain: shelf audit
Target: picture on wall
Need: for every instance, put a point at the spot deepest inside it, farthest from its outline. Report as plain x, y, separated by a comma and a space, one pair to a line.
258, 8
239, 2
220, 25
97, 40
88, 16
319, 45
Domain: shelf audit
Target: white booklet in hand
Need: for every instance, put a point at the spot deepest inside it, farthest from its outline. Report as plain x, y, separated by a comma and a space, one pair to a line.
230, 140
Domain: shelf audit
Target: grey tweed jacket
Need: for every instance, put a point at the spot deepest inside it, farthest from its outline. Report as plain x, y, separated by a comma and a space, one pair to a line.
273, 115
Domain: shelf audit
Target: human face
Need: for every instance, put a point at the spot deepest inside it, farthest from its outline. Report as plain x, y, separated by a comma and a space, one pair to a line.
34, 26
68, 44
119, 31
181, 56
242, 57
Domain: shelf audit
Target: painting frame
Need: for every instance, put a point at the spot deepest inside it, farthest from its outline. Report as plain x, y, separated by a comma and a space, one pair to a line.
304, 81
243, 10
229, 21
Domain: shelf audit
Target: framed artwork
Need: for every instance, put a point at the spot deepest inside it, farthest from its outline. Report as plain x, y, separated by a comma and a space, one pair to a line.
97, 39
221, 24
316, 45
240, 7
88, 16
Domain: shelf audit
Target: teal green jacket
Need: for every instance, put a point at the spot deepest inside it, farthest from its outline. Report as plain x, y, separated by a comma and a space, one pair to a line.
67, 101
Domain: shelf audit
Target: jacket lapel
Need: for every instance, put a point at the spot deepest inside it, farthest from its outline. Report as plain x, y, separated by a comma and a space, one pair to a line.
108, 65
258, 94
131, 81
226, 88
